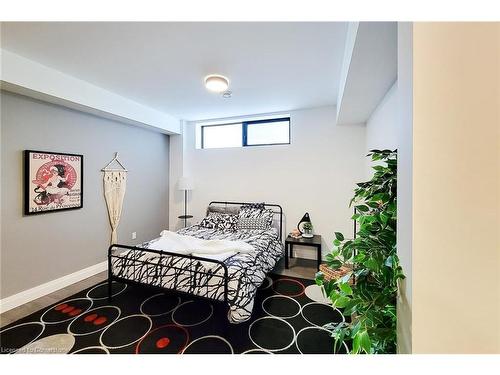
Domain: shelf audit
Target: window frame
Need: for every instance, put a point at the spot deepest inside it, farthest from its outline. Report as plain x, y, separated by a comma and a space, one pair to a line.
244, 132
210, 126
267, 121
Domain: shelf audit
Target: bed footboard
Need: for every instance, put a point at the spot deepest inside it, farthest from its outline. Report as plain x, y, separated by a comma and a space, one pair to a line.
115, 252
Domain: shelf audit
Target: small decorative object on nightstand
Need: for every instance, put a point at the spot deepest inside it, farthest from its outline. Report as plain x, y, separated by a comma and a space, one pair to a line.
315, 242
295, 233
308, 230
304, 221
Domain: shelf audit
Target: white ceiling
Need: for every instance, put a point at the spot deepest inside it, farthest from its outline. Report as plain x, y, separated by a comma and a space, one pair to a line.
272, 66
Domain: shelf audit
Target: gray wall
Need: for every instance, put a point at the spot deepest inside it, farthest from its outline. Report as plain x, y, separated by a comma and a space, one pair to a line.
40, 248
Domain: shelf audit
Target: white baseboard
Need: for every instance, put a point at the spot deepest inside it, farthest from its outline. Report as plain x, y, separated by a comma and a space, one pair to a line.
26, 296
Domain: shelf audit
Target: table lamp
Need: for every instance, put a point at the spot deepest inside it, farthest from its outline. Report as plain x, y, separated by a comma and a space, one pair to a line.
185, 184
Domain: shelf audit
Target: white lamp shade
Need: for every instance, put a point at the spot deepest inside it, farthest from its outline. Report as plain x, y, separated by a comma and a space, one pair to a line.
185, 183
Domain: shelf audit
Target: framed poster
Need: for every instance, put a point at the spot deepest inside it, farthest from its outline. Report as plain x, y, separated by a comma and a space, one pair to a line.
52, 182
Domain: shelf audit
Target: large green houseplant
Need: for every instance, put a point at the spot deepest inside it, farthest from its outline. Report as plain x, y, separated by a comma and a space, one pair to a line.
371, 300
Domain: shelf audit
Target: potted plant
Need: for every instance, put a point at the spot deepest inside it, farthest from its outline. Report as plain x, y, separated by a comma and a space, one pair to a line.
307, 228
371, 300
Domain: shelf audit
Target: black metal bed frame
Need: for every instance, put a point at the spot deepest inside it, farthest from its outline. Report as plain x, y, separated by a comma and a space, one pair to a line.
193, 260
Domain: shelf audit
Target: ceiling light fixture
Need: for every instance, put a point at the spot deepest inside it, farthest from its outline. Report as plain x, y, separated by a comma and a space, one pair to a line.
216, 83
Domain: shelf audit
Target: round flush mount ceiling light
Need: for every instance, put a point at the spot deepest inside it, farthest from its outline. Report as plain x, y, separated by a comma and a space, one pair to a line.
216, 83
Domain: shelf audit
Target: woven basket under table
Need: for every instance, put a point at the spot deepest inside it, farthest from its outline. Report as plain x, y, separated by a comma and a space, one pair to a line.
331, 274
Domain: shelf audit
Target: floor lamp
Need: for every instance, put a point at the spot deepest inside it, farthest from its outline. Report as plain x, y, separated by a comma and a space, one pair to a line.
185, 184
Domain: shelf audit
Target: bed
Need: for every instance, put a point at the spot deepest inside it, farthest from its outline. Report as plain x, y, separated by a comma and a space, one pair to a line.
233, 281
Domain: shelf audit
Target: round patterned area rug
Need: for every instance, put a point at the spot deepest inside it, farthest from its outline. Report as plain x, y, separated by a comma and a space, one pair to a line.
288, 316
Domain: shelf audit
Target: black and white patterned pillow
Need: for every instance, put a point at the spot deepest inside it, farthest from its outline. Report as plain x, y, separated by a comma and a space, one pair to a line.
255, 217
253, 206
217, 220
253, 223
231, 210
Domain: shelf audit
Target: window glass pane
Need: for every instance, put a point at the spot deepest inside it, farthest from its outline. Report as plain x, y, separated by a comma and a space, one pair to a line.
222, 136
265, 133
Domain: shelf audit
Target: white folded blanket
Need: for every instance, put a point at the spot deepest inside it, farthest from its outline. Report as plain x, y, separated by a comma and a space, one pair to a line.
189, 245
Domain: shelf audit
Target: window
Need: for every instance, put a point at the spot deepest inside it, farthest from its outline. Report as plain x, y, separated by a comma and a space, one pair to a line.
246, 133
218, 136
266, 132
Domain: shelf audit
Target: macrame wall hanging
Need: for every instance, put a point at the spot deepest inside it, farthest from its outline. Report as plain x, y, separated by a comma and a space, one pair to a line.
115, 183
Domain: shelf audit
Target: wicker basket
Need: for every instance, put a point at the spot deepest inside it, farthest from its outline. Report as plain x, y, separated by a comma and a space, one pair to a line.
331, 274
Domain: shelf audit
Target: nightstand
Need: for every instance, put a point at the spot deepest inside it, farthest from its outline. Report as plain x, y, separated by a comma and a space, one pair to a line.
313, 242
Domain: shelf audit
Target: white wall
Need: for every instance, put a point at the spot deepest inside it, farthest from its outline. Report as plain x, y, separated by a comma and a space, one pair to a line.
176, 197
390, 127
382, 126
316, 173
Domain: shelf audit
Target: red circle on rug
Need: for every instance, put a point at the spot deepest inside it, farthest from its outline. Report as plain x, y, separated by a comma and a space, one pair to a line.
100, 320
75, 312
90, 318
60, 307
162, 343
68, 309
299, 292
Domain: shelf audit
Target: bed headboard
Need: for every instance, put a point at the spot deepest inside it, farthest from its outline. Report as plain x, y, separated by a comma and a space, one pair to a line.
234, 207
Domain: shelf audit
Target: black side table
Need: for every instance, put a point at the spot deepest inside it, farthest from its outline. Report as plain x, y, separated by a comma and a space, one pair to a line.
314, 242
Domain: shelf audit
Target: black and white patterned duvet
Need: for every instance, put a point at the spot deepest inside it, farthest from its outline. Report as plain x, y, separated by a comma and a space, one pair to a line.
246, 272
